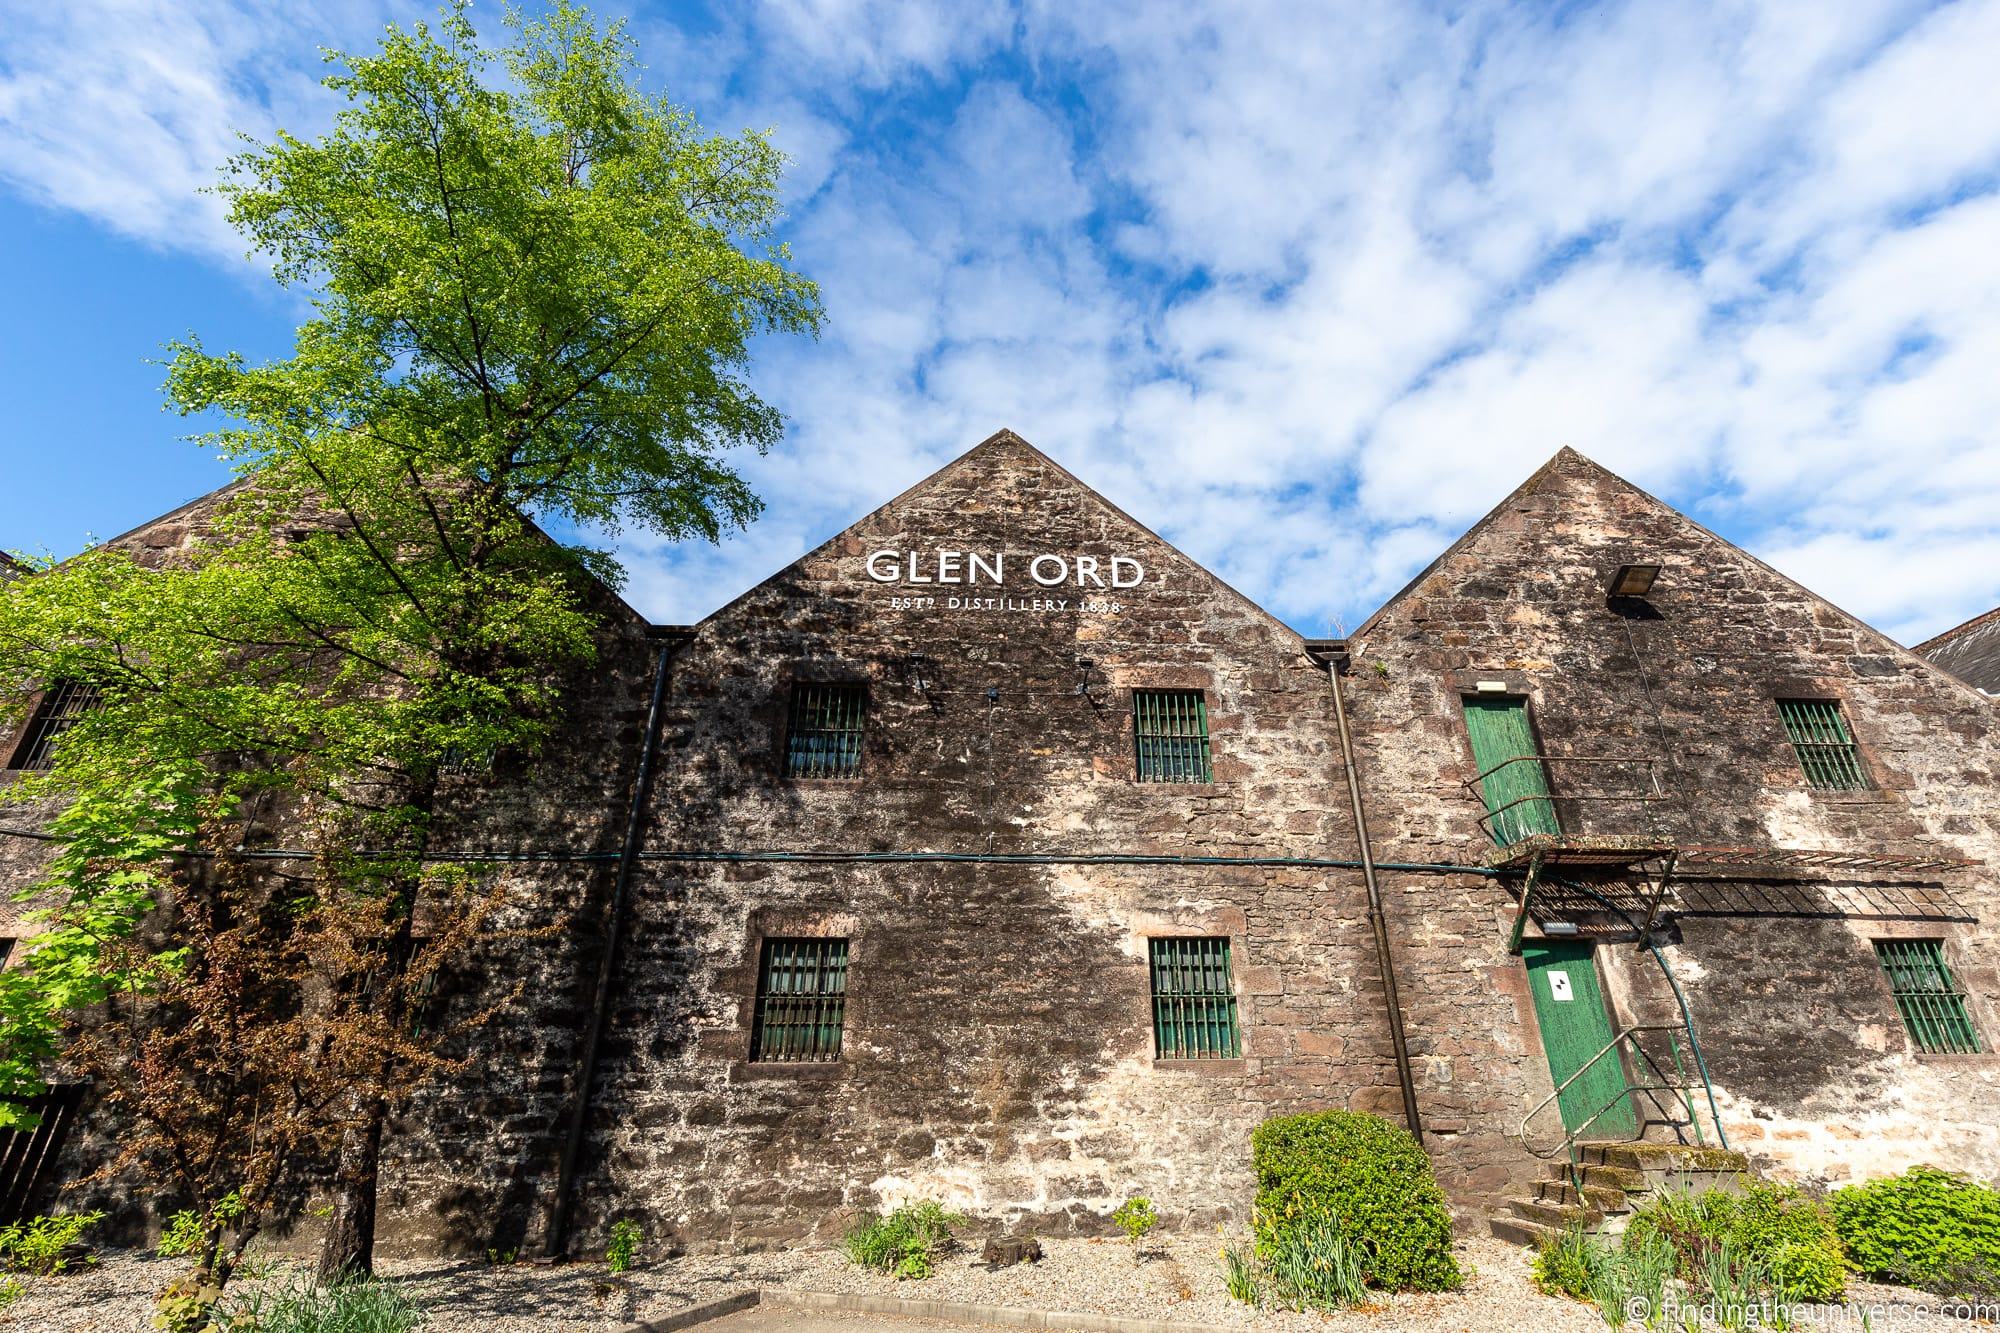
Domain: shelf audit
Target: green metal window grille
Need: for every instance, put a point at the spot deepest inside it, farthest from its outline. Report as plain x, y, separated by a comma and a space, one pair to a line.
801, 1000
1826, 750
1172, 731
1194, 1004
1927, 996
64, 702
824, 738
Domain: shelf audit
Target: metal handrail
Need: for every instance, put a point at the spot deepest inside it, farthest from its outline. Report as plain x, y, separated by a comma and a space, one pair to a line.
1646, 759
1683, 1087
1549, 796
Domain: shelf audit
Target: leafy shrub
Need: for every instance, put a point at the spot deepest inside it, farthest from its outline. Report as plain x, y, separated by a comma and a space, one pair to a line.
183, 1233
1317, 1267
36, 1245
11, 1290
1925, 1228
1367, 1177
1567, 1261
1135, 1217
1775, 1229
907, 1243
625, 1237
362, 1305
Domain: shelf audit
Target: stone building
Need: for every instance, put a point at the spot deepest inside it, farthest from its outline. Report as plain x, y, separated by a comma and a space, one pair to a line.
996, 852
1970, 651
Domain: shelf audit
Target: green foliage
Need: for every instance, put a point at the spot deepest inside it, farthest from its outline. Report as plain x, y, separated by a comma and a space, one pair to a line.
625, 1237
186, 1231
187, 1305
362, 1305
907, 1243
1567, 1261
36, 1244
1316, 1266
1135, 1217
1925, 1228
534, 290
11, 1289
1632, 1277
1772, 1230
1241, 1274
1370, 1180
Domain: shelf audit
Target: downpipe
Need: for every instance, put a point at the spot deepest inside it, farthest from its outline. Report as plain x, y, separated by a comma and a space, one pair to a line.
1377, 923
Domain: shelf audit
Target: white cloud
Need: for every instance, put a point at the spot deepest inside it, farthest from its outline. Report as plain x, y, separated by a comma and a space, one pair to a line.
1336, 277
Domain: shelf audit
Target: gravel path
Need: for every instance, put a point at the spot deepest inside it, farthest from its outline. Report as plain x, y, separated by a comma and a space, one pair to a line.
1177, 1279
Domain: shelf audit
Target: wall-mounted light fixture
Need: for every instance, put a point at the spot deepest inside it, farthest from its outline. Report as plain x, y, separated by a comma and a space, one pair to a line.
1559, 929
1083, 666
1634, 580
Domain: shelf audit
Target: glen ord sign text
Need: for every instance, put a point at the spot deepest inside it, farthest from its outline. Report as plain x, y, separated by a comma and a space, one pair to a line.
950, 580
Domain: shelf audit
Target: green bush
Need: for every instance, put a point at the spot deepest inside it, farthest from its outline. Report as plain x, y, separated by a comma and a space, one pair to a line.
1370, 1179
36, 1244
1773, 1229
907, 1243
1135, 1217
625, 1237
1925, 1228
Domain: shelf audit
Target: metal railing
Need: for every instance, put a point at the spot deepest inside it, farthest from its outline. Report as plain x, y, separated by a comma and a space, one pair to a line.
1476, 786
1678, 1084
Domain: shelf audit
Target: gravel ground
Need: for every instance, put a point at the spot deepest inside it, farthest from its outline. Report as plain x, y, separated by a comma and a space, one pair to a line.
1175, 1279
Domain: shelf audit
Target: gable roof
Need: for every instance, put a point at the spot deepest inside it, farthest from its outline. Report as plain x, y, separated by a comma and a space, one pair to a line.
10, 568
1567, 459
999, 440
1970, 651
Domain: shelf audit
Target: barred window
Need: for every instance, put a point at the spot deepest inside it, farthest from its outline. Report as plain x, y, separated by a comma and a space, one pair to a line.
62, 704
823, 739
1928, 997
1171, 727
801, 1000
1826, 749
1194, 1001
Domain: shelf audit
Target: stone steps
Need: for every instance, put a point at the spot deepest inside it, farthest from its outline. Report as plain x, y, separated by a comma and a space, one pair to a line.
1609, 1181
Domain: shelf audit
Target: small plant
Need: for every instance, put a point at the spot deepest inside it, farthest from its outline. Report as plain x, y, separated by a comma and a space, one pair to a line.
1740, 1287
182, 1235
500, 1258
36, 1245
625, 1237
1239, 1273
362, 1305
11, 1290
907, 1243
1135, 1217
1317, 1267
1566, 1263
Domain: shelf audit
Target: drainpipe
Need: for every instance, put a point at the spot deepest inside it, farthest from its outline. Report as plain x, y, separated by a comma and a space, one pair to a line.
557, 1241
1334, 652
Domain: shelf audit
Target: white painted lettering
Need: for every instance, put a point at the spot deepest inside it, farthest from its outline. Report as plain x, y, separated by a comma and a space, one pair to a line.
1035, 570
915, 577
1086, 571
876, 570
1121, 563
948, 566
978, 563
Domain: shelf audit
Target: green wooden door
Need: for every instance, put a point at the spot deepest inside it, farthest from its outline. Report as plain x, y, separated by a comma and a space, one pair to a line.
1569, 1008
1517, 796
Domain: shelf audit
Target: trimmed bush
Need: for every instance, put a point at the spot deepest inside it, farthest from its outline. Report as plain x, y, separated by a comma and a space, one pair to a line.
1925, 1228
1776, 1229
1371, 1179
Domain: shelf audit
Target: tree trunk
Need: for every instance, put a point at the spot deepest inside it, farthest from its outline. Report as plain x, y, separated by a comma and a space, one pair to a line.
349, 1247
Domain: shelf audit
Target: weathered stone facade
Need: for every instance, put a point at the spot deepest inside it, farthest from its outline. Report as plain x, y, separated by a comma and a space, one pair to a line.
997, 1046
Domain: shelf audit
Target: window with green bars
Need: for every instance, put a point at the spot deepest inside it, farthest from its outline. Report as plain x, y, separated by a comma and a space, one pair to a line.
801, 1000
1171, 727
823, 738
1826, 749
1194, 1001
1928, 997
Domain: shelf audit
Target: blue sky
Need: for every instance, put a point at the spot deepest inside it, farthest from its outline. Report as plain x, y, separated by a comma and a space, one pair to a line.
1307, 288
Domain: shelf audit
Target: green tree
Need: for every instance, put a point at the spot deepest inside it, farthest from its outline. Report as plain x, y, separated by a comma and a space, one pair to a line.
534, 291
